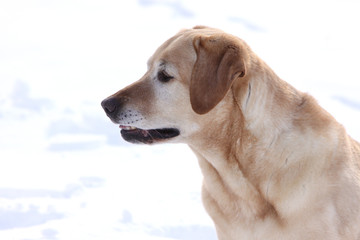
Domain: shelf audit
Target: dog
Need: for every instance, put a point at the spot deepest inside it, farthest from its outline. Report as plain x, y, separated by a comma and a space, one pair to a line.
275, 164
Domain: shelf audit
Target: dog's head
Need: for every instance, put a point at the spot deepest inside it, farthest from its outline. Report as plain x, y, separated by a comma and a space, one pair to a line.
187, 79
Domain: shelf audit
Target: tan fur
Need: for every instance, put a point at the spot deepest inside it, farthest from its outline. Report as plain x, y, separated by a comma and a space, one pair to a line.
275, 164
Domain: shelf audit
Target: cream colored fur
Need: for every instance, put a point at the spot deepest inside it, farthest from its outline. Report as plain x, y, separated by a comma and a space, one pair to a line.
275, 164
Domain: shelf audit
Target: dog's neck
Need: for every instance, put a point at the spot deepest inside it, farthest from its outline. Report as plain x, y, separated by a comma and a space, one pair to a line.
250, 116
265, 94
243, 135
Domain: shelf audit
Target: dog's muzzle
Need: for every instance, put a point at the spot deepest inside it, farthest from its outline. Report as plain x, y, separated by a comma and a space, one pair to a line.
113, 109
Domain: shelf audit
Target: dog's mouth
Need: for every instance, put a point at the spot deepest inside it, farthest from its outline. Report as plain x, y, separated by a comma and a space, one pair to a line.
137, 135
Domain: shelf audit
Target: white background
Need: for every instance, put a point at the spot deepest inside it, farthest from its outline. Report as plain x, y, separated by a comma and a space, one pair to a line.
66, 173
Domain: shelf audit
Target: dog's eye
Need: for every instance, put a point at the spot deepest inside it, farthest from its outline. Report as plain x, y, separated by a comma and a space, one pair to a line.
164, 76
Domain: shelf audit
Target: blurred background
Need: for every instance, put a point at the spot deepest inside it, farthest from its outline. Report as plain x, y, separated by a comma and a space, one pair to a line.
66, 173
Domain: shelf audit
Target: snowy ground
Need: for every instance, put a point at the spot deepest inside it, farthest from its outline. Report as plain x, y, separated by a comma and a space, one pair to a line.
66, 174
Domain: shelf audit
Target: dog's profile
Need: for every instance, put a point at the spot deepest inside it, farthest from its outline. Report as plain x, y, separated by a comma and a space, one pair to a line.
275, 164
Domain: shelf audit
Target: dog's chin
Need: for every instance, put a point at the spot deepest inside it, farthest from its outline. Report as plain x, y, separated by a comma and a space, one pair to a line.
150, 136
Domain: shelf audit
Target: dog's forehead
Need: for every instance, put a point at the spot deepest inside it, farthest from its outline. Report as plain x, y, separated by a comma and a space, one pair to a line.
177, 50
181, 46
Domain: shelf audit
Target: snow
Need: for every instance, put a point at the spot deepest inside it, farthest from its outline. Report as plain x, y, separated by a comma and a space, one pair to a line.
67, 174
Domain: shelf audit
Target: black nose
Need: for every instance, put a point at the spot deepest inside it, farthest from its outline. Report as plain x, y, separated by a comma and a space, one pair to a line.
111, 106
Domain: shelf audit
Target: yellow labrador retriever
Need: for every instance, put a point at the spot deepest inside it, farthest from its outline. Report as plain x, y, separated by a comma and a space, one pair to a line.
275, 164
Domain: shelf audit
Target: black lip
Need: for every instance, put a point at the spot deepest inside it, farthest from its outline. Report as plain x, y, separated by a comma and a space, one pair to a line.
149, 136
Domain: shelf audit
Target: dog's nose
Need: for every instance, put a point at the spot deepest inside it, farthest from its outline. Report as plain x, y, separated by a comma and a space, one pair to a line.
110, 106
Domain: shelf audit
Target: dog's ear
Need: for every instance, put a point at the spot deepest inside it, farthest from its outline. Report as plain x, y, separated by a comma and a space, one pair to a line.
218, 64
